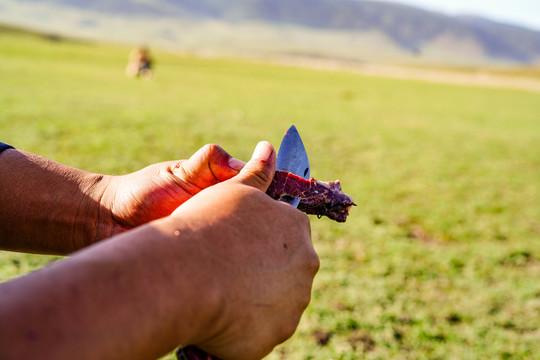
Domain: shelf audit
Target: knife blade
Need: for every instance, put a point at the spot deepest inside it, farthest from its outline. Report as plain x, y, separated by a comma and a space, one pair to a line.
292, 157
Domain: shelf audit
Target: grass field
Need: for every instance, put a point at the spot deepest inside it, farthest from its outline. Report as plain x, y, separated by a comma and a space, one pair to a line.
441, 258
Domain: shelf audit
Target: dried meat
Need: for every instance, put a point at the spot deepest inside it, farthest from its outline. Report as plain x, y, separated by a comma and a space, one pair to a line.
316, 197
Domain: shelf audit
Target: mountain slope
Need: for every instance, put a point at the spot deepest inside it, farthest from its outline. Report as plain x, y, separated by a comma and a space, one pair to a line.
414, 31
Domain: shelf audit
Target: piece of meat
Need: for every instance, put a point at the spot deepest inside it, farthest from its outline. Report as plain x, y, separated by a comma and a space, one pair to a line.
316, 197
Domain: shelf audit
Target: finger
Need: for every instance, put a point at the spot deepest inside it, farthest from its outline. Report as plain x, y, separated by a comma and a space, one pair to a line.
259, 171
208, 166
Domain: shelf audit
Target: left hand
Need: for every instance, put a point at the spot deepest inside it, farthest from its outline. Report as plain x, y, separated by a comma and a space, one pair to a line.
157, 190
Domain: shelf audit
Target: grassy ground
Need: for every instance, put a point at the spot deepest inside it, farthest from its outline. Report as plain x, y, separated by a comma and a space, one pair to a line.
440, 260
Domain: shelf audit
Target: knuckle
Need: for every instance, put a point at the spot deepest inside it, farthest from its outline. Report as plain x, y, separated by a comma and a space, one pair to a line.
262, 351
286, 330
305, 220
258, 177
314, 263
291, 327
263, 176
209, 149
304, 302
296, 217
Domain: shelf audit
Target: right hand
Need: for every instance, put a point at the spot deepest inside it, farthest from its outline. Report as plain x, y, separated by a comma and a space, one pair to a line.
256, 259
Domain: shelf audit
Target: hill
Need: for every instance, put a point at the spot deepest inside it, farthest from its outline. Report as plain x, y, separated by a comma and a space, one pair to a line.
335, 28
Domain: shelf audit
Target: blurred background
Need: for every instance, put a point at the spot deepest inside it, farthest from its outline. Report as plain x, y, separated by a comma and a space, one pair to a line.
416, 31
428, 113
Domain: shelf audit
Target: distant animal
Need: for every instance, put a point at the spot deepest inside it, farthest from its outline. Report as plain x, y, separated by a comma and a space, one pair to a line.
140, 64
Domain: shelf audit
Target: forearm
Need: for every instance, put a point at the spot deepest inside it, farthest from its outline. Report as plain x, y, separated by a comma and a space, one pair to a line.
123, 298
229, 262
47, 207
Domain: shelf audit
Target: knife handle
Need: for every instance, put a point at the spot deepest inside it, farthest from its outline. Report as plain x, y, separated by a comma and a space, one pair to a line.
193, 353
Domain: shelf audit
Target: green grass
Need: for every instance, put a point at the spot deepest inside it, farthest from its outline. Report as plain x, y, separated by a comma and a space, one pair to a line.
441, 258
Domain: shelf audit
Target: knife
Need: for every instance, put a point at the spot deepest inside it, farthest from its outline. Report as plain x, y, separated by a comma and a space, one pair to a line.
292, 157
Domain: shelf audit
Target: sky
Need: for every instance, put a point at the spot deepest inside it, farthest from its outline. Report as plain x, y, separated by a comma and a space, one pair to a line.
519, 12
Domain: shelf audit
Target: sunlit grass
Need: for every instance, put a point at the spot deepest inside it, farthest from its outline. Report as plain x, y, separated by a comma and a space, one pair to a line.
440, 260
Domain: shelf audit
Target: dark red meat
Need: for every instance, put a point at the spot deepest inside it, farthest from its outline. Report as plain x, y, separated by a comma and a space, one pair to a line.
316, 197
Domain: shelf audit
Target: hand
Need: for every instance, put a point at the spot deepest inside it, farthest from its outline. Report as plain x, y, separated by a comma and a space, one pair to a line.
230, 271
155, 191
52, 208
255, 257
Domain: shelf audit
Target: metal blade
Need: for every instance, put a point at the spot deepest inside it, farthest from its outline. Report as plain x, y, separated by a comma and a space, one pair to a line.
292, 157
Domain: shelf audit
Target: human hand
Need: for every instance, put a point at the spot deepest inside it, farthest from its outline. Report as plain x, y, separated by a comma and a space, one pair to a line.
157, 190
254, 259
230, 271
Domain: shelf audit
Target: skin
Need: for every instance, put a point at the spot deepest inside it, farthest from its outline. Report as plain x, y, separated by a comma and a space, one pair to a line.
51, 208
230, 270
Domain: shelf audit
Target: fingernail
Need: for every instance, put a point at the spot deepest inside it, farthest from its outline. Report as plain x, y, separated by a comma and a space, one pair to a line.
263, 151
236, 164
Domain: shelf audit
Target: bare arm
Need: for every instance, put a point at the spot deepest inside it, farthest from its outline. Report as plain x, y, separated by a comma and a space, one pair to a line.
122, 299
47, 207
229, 271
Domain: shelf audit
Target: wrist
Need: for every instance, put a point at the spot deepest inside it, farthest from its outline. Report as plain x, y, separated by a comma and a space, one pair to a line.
94, 220
196, 285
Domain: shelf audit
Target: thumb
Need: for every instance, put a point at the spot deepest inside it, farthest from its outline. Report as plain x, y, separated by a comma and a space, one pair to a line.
208, 166
259, 171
